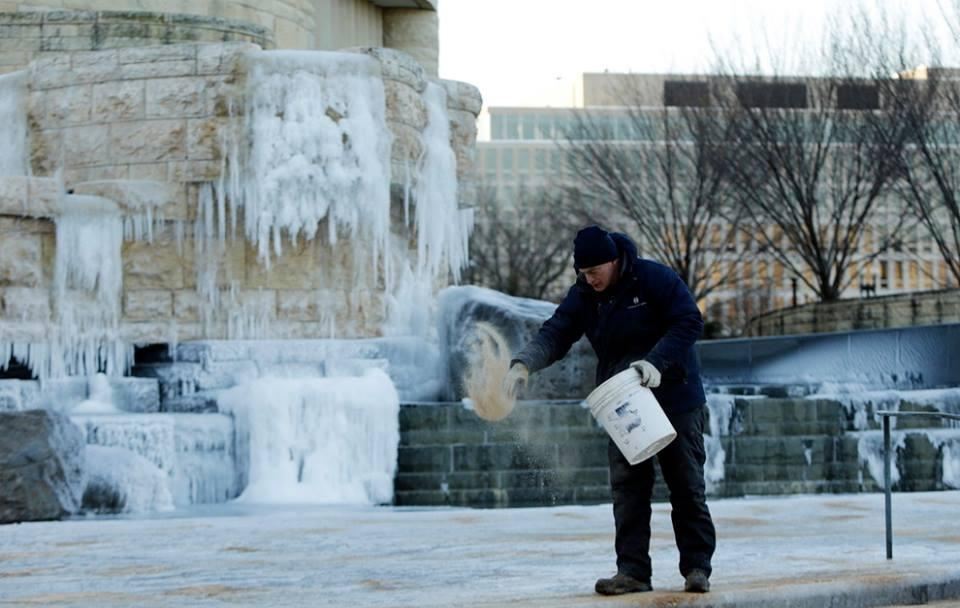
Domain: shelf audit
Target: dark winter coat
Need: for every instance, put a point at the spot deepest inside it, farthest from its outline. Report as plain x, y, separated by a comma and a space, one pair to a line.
648, 314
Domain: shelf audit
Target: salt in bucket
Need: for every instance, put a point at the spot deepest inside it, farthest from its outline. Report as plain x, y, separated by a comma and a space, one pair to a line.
631, 416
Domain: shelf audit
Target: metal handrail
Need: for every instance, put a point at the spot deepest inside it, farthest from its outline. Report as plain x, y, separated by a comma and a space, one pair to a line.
888, 503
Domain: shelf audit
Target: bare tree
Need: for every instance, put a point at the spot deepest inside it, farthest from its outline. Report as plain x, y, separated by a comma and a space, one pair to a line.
658, 172
931, 97
520, 247
814, 160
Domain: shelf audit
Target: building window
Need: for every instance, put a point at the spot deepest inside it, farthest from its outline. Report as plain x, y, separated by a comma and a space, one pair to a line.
497, 128
685, 93
858, 97
511, 130
527, 123
523, 159
506, 160
772, 94
540, 160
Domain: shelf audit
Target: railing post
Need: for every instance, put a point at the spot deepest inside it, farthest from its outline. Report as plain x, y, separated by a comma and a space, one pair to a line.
888, 506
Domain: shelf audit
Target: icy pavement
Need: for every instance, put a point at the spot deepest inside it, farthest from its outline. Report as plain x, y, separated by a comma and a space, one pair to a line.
798, 551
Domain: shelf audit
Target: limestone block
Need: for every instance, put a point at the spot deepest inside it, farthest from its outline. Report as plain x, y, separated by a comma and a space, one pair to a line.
229, 264
155, 54
119, 100
404, 105
203, 138
87, 145
298, 305
293, 269
51, 71
66, 106
463, 96
156, 172
137, 196
158, 69
407, 145
155, 265
463, 128
186, 305
148, 332
20, 259
223, 96
148, 141
41, 466
396, 65
193, 170
13, 194
293, 35
46, 151
415, 32
25, 303
176, 97
222, 58
147, 305
76, 175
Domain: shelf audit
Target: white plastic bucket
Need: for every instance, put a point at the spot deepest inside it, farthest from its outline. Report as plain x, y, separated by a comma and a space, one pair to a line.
630, 414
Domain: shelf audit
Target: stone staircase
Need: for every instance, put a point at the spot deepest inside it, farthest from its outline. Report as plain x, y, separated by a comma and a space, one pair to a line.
552, 452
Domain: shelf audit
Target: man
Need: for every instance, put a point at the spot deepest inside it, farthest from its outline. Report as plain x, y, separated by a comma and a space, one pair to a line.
638, 313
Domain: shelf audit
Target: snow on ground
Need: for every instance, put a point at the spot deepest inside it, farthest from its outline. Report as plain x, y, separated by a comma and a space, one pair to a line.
770, 550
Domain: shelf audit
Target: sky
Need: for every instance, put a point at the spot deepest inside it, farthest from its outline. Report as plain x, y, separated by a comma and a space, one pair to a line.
529, 52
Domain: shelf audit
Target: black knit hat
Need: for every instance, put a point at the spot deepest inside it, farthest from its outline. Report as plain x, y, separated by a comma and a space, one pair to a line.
592, 247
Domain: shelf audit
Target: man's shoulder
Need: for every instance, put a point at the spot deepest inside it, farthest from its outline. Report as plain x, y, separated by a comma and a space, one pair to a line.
646, 269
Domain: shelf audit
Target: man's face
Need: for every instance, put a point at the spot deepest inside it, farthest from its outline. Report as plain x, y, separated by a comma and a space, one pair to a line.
601, 277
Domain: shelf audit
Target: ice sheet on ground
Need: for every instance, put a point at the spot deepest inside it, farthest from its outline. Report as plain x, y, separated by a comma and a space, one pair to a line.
779, 549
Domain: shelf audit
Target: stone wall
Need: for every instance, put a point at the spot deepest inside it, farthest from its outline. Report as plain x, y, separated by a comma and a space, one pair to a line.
550, 453
287, 24
143, 128
30, 34
291, 23
901, 310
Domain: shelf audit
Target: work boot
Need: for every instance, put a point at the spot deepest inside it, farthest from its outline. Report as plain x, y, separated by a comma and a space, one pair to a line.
696, 582
621, 583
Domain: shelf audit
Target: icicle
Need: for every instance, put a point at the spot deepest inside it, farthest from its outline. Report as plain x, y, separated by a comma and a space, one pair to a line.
319, 150
440, 227
13, 124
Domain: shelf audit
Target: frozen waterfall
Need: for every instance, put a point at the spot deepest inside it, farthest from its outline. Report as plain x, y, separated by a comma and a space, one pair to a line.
316, 440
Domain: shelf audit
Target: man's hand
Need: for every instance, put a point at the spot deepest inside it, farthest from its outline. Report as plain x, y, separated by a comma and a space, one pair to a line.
516, 379
649, 374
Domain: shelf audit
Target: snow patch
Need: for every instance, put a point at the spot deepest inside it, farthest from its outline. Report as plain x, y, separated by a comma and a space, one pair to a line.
122, 481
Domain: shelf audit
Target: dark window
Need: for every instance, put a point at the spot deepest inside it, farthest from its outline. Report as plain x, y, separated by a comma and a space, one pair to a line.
858, 97
772, 94
685, 93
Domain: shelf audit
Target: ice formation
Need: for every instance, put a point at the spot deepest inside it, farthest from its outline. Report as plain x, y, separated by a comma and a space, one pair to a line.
721, 409
87, 281
194, 451
13, 124
442, 227
122, 481
870, 454
99, 399
319, 150
316, 440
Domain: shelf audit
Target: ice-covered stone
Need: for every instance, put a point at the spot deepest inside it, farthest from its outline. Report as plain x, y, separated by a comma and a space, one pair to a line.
195, 451
41, 466
122, 481
518, 319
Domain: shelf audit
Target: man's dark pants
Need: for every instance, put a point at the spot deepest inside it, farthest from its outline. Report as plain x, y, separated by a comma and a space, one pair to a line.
681, 464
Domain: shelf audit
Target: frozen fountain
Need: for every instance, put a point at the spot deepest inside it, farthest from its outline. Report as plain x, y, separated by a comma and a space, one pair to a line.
274, 223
